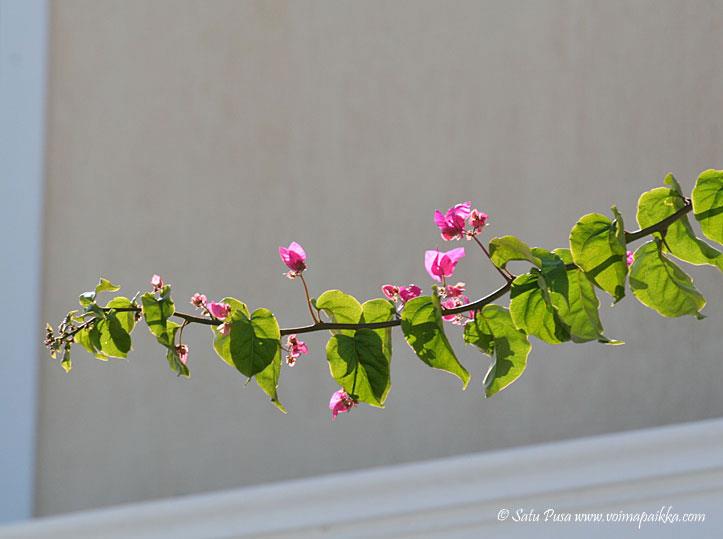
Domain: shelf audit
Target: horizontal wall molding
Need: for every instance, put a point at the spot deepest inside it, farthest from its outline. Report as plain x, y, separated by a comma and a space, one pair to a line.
680, 465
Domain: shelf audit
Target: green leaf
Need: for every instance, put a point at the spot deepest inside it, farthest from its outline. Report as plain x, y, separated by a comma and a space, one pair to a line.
423, 329
268, 381
494, 332
156, 313
174, 360
341, 309
236, 305
619, 226
479, 334
86, 298
252, 343
260, 328
598, 248
578, 306
109, 335
223, 341
508, 248
661, 285
82, 337
555, 304
106, 286
359, 359
661, 202
113, 331
708, 204
532, 310
360, 366
94, 336
252, 346
66, 363
380, 310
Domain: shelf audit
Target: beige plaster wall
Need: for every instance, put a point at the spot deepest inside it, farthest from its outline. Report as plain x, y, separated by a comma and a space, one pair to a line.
192, 138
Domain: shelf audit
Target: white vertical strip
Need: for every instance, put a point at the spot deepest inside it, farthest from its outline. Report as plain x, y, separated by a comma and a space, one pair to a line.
23, 44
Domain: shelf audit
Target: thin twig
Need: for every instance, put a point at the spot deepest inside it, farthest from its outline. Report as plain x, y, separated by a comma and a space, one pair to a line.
506, 275
308, 299
660, 226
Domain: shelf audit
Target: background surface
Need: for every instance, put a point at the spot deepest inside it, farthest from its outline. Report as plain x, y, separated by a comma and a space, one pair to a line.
191, 139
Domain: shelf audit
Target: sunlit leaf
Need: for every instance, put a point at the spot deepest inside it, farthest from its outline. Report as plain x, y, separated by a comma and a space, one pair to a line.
423, 329
661, 202
661, 285
493, 332
597, 248
708, 204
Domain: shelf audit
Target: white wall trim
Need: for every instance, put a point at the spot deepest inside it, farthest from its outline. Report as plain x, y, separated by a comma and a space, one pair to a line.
454, 497
23, 44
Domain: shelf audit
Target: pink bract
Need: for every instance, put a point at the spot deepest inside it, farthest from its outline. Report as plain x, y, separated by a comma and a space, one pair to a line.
340, 402
294, 257
219, 310
182, 350
198, 300
452, 224
451, 303
439, 264
390, 291
224, 329
477, 220
156, 282
409, 292
453, 291
295, 348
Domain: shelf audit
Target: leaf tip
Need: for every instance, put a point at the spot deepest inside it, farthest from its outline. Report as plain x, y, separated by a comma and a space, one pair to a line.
279, 406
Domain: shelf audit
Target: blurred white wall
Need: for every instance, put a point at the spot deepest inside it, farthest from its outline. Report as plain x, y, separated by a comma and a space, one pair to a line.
192, 138
665, 482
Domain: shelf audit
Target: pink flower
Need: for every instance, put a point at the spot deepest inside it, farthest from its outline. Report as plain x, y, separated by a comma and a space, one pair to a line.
390, 291
182, 351
453, 291
459, 318
224, 329
219, 310
294, 257
295, 348
477, 220
157, 283
198, 300
630, 258
340, 402
439, 264
409, 292
404, 293
452, 223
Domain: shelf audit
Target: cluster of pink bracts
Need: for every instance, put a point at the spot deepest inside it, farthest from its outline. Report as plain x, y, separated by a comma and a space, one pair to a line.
460, 221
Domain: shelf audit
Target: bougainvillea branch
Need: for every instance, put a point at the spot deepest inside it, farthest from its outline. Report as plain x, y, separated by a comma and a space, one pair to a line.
554, 301
322, 326
472, 306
